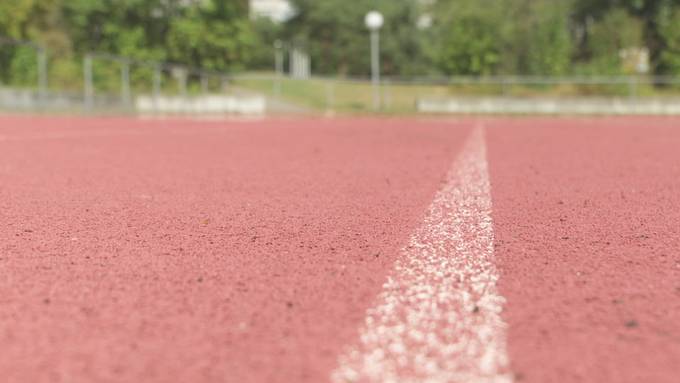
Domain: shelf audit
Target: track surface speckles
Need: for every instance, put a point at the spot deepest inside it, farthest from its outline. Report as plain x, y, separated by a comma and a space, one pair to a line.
158, 251
438, 316
587, 218
178, 251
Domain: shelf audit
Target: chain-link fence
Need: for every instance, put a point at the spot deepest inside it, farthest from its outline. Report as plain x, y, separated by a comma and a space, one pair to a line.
31, 79
400, 95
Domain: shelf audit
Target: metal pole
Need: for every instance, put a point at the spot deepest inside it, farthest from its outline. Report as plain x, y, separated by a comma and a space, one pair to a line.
89, 85
375, 67
224, 84
504, 86
204, 83
387, 94
42, 74
632, 88
278, 66
157, 78
182, 82
157, 83
125, 81
330, 96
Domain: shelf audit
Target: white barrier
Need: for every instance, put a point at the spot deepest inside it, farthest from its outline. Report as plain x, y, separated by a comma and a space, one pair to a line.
26, 99
213, 104
583, 106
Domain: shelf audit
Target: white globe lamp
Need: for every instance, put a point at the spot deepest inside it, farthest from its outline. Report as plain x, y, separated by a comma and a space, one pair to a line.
374, 20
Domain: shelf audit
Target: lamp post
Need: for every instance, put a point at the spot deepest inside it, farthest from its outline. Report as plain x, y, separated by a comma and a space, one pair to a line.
42, 73
89, 82
278, 66
374, 21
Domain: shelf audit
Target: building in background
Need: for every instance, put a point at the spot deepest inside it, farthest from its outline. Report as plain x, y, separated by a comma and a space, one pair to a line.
298, 61
635, 60
276, 10
426, 17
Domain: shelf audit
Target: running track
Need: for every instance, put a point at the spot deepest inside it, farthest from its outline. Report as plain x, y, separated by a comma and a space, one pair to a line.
470, 250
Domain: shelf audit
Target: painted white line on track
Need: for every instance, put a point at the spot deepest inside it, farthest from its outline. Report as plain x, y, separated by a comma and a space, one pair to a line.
438, 317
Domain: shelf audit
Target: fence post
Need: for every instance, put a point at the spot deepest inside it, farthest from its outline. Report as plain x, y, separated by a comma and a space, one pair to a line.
42, 74
387, 94
224, 84
157, 78
204, 83
330, 96
182, 79
89, 85
504, 86
632, 88
125, 81
278, 64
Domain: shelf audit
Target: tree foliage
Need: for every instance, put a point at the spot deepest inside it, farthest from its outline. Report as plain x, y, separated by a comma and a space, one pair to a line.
668, 29
334, 34
212, 34
465, 37
470, 37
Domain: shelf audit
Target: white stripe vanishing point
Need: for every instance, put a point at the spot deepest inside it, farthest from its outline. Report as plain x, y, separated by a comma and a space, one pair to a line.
438, 317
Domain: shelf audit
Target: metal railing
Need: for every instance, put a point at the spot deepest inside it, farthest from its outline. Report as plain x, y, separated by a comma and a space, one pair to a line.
113, 82
90, 91
401, 95
41, 57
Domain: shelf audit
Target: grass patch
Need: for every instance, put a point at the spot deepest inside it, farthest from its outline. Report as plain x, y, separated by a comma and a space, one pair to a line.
356, 97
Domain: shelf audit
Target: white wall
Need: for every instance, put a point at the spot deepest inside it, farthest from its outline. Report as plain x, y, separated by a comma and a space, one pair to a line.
572, 106
210, 104
277, 10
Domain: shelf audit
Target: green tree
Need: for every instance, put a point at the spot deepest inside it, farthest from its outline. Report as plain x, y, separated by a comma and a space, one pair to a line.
668, 27
334, 34
215, 34
548, 38
266, 33
654, 16
471, 36
609, 37
38, 21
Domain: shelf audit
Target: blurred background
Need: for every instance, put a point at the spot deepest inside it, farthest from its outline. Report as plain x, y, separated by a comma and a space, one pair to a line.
310, 56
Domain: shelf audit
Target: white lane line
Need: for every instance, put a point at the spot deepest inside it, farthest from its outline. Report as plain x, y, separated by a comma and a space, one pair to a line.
438, 317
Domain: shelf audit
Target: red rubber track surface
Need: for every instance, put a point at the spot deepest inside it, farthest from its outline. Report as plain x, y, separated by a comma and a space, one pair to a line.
180, 251
157, 251
587, 218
